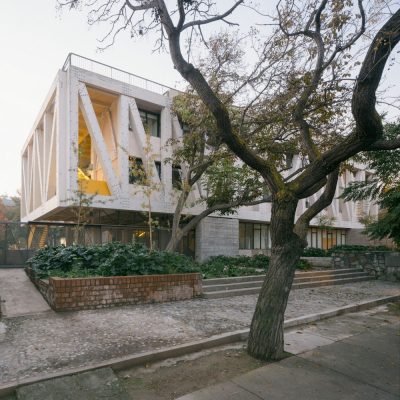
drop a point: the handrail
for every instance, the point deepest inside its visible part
(114, 73)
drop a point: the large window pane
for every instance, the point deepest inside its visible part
(151, 122)
(242, 235)
(158, 168)
(176, 177)
(249, 236)
(257, 236)
(264, 237)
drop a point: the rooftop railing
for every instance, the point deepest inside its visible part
(97, 67)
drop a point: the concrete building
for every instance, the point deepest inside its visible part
(88, 138)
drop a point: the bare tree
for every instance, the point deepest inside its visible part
(309, 46)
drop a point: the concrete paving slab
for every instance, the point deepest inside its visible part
(364, 366)
(94, 385)
(371, 366)
(352, 324)
(384, 344)
(19, 294)
(297, 342)
(299, 379)
(224, 391)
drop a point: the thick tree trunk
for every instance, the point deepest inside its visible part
(176, 232)
(266, 333)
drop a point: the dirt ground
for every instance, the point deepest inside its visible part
(174, 378)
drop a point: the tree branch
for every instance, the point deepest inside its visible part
(368, 129)
(213, 19)
(324, 200)
(385, 145)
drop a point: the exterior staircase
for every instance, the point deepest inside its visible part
(237, 286)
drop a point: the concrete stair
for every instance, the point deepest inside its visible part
(238, 286)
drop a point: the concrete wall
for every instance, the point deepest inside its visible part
(217, 236)
(355, 236)
(254, 252)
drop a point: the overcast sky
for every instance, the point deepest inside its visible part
(34, 41)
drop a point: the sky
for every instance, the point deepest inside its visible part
(35, 40)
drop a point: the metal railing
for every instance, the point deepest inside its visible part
(20, 240)
(97, 67)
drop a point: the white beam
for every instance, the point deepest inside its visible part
(141, 138)
(97, 139)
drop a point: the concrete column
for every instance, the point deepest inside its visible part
(217, 236)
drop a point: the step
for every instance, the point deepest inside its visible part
(235, 279)
(252, 284)
(328, 271)
(326, 277)
(233, 286)
(260, 278)
(256, 290)
(330, 282)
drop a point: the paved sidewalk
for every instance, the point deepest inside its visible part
(19, 295)
(49, 342)
(337, 366)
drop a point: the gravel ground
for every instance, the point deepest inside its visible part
(48, 342)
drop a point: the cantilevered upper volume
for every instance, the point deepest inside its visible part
(89, 139)
(89, 135)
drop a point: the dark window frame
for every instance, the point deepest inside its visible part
(177, 182)
(146, 114)
(250, 236)
(158, 168)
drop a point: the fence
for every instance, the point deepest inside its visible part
(19, 241)
(88, 64)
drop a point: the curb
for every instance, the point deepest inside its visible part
(191, 347)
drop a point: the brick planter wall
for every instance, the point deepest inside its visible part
(69, 294)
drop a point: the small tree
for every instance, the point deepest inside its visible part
(224, 184)
(81, 209)
(143, 174)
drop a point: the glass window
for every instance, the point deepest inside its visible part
(242, 236)
(257, 236)
(249, 237)
(325, 238)
(289, 160)
(151, 122)
(158, 168)
(185, 128)
(176, 177)
(264, 237)
(253, 236)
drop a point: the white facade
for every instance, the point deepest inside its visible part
(88, 130)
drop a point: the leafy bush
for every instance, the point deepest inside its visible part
(223, 266)
(358, 248)
(303, 265)
(111, 259)
(314, 252)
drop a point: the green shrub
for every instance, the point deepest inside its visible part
(303, 265)
(314, 252)
(356, 248)
(111, 259)
(223, 266)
